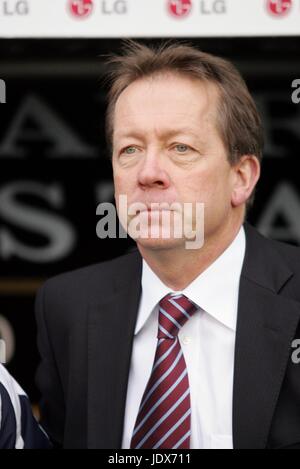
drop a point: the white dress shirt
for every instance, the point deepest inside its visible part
(208, 344)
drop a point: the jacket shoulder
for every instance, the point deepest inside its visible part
(78, 278)
(272, 264)
(290, 253)
(69, 293)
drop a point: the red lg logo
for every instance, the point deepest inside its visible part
(81, 8)
(279, 7)
(180, 8)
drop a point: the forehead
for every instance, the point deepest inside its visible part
(169, 102)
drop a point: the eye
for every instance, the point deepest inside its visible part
(128, 150)
(182, 148)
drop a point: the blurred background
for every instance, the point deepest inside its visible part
(54, 162)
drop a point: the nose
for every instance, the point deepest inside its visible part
(152, 173)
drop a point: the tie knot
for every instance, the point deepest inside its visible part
(174, 311)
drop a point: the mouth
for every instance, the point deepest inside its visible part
(151, 208)
(155, 206)
(155, 210)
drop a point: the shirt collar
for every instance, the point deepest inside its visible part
(215, 290)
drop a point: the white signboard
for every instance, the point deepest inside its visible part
(148, 18)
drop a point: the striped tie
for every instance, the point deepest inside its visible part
(164, 417)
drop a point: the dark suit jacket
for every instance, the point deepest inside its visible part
(86, 321)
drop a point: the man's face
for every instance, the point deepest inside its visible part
(166, 148)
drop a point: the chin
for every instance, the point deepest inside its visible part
(159, 243)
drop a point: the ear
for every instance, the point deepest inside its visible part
(246, 173)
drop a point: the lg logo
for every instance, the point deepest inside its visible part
(81, 8)
(279, 7)
(180, 8)
(14, 7)
(84, 8)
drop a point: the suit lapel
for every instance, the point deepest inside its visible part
(111, 330)
(267, 324)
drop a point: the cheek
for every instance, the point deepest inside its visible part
(200, 187)
(209, 187)
(121, 184)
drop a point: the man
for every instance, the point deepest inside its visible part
(168, 347)
(18, 428)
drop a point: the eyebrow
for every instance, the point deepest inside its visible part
(167, 133)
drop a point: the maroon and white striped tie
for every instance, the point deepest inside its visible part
(164, 417)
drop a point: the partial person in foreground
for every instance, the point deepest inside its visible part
(18, 427)
(168, 347)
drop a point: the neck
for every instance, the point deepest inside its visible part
(177, 267)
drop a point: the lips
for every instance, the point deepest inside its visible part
(155, 206)
(155, 210)
(139, 207)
